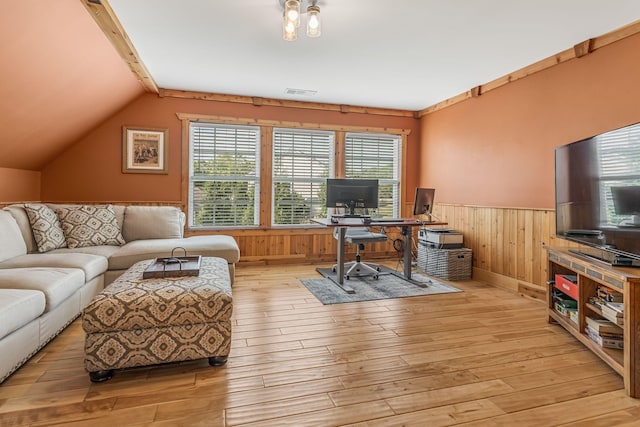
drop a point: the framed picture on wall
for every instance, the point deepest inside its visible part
(144, 150)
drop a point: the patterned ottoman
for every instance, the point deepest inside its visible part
(139, 322)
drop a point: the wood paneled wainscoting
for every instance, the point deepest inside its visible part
(300, 245)
(508, 244)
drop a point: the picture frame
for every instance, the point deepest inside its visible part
(144, 150)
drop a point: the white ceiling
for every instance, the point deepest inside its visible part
(404, 54)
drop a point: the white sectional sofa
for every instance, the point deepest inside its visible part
(49, 272)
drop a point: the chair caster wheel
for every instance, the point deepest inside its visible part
(378, 269)
(346, 277)
(333, 269)
(375, 277)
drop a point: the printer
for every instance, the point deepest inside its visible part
(440, 238)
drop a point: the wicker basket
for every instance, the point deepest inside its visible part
(448, 264)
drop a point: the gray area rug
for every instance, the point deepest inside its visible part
(369, 289)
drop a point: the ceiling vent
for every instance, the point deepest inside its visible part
(300, 92)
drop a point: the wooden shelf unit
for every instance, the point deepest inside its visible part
(590, 274)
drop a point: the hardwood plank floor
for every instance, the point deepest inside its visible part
(480, 357)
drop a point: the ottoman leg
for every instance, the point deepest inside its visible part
(100, 376)
(217, 360)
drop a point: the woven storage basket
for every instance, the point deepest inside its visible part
(449, 264)
(421, 264)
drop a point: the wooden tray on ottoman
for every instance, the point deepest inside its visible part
(174, 266)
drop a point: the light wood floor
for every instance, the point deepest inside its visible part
(481, 357)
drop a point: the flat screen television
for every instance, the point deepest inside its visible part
(423, 202)
(597, 184)
(352, 194)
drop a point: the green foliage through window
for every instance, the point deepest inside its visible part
(224, 180)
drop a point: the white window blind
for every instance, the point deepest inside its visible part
(302, 162)
(224, 175)
(376, 156)
(619, 153)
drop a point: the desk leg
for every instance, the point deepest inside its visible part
(407, 252)
(339, 279)
(342, 231)
(406, 232)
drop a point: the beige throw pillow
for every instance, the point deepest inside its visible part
(46, 227)
(152, 222)
(89, 225)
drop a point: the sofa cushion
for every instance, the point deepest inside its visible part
(45, 226)
(152, 222)
(91, 265)
(57, 284)
(221, 246)
(21, 217)
(12, 244)
(104, 250)
(118, 209)
(90, 226)
(19, 307)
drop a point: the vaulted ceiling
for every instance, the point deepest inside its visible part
(61, 76)
(401, 54)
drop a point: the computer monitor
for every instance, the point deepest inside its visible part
(423, 202)
(352, 193)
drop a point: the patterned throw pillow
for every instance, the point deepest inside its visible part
(46, 227)
(90, 226)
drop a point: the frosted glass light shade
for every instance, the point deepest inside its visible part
(292, 11)
(289, 30)
(313, 21)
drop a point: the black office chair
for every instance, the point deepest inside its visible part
(360, 236)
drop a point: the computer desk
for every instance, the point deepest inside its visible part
(405, 224)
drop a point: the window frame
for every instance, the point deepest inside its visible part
(266, 127)
(256, 179)
(311, 180)
(395, 181)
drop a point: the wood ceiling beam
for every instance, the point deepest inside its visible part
(108, 22)
(256, 101)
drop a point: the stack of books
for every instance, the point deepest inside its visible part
(613, 311)
(604, 332)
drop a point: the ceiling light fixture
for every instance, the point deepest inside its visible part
(291, 18)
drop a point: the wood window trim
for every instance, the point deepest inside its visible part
(266, 130)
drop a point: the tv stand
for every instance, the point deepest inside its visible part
(610, 258)
(590, 275)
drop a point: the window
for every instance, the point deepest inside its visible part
(302, 162)
(376, 156)
(224, 175)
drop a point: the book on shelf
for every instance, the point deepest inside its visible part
(604, 341)
(608, 295)
(612, 315)
(617, 306)
(601, 326)
(596, 301)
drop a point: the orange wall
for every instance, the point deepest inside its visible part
(91, 169)
(60, 78)
(498, 149)
(18, 185)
